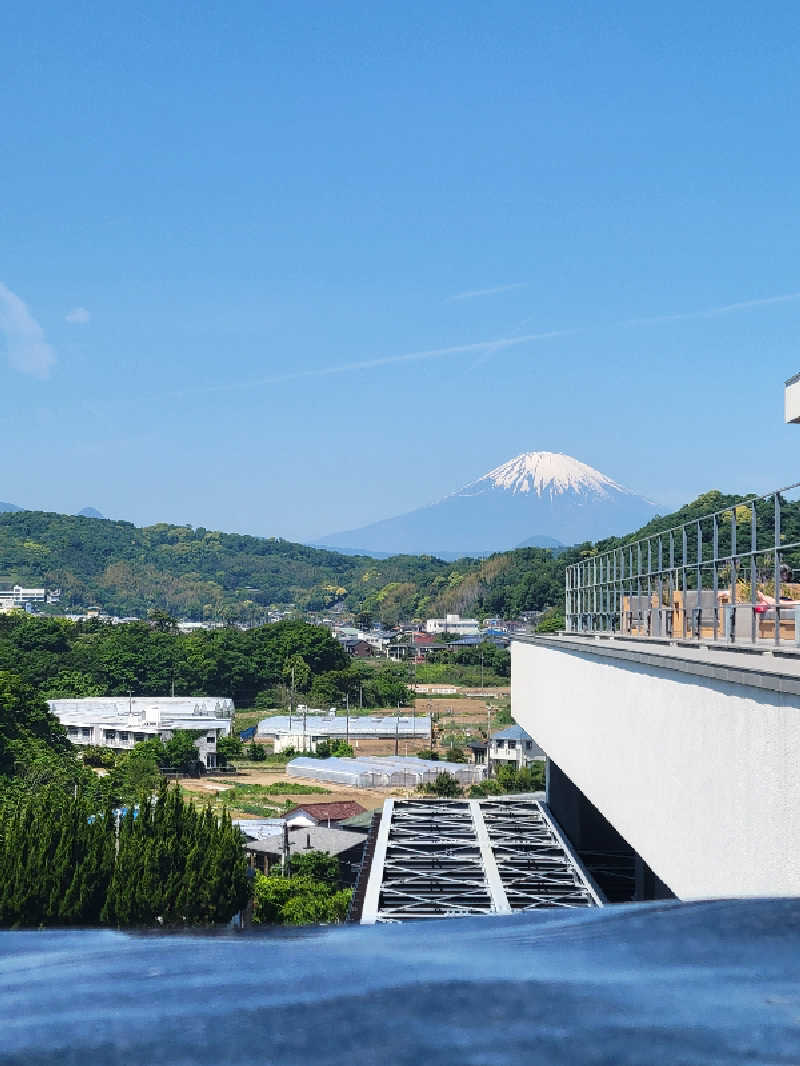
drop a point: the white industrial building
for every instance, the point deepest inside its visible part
(304, 732)
(393, 771)
(120, 722)
(454, 623)
(21, 598)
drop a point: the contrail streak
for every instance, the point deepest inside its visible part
(711, 312)
(483, 349)
(368, 364)
(472, 293)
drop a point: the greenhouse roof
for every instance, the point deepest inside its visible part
(358, 725)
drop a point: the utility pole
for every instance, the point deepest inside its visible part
(305, 708)
(488, 739)
(291, 703)
(286, 860)
(347, 717)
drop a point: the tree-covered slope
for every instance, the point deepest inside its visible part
(195, 572)
(198, 573)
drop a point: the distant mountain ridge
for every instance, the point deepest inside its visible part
(86, 512)
(543, 499)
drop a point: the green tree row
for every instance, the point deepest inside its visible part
(61, 863)
(65, 659)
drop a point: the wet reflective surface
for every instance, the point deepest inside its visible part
(675, 983)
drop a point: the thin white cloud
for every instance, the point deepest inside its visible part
(472, 293)
(26, 346)
(78, 316)
(482, 350)
(495, 345)
(711, 312)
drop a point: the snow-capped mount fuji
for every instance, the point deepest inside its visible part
(537, 498)
(549, 473)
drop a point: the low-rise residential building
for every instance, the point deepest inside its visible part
(358, 648)
(120, 722)
(454, 623)
(269, 851)
(326, 814)
(511, 746)
(376, 639)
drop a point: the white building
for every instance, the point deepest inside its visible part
(20, 598)
(290, 731)
(454, 623)
(512, 746)
(389, 771)
(120, 722)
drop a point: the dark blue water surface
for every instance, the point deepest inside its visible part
(691, 983)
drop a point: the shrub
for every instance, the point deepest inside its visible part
(338, 748)
(444, 785)
(103, 757)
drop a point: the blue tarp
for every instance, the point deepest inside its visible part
(654, 984)
(248, 734)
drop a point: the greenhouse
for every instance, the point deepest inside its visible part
(395, 771)
(340, 725)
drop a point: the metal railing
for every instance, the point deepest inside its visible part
(724, 576)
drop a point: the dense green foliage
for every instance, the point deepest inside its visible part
(64, 659)
(58, 863)
(197, 572)
(444, 785)
(35, 752)
(508, 779)
(339, 749)
(311, 895)
(28, 731)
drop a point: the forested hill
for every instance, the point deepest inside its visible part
(190, 572)
(199, 573)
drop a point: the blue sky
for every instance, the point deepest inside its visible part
(289, 268)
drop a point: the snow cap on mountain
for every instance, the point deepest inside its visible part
(551, 473)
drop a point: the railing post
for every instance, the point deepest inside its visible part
(777, 568)
(753, 574)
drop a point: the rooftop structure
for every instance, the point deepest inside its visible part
(265, 853)
(259, 828)
(717, 577)
(454, 623)
(303, 734)
(323, 813)
(120, 722)
(449, 858)
(390, 772)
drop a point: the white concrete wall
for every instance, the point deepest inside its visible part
(791, 402)
(701, 777)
